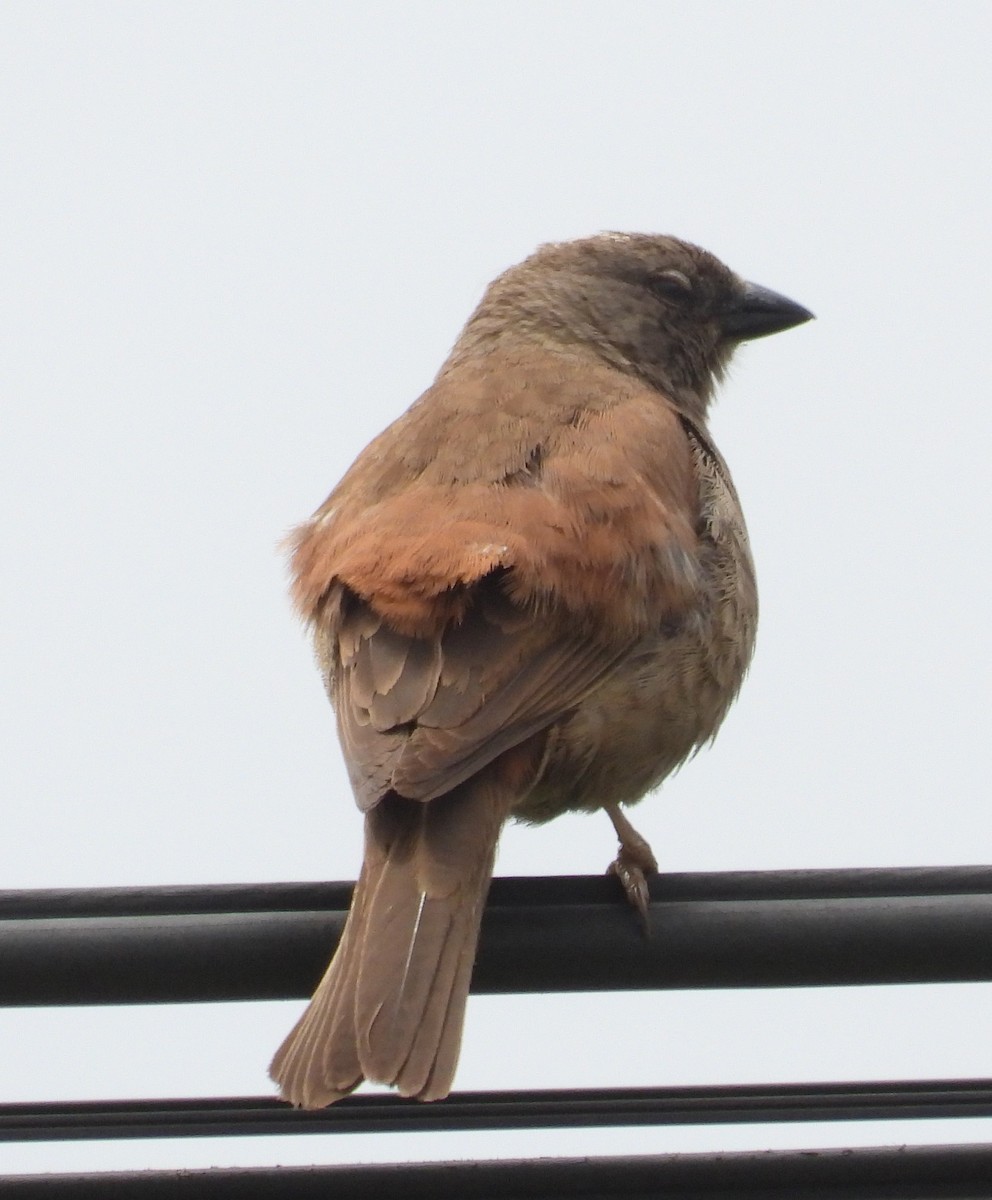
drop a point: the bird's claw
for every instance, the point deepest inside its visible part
(630, 867)
(631, 863)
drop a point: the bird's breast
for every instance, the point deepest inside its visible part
(728, 622)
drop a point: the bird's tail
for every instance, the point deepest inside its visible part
(391, 1005)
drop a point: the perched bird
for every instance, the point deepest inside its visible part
(531, 594)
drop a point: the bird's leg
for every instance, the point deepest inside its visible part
(635, 858)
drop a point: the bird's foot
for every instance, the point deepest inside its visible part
(633, 863)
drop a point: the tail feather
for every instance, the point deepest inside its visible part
(392, 1004)
(441, 1072)
(441, 1021)
(316, 1065)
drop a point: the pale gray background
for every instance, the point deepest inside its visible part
(238, 239)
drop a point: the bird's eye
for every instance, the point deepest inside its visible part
(672, 285)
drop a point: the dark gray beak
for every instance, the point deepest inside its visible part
(761, 311)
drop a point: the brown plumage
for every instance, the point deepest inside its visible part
(532, 593)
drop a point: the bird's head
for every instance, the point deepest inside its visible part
(652, 305)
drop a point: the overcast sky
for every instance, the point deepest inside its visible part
(239, 239)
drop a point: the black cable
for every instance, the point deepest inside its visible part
(877, 1173)
(769, 929)
(551, 1109)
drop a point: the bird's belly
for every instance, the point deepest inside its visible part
(648, 716)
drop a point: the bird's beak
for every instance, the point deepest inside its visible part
(760, 311)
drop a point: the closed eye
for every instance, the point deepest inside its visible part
(671, 285)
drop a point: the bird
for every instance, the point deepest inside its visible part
(533, 593)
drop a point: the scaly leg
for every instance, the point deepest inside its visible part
(635, 858)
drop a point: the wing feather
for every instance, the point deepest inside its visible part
(462, 603)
